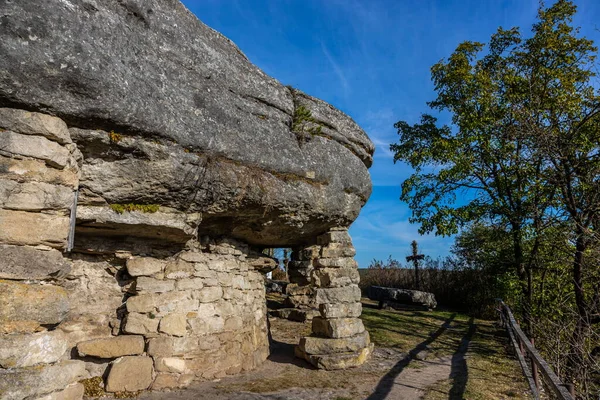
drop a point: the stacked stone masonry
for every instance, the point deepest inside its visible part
(339, 339)
(140, 318)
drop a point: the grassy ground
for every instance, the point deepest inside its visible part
(482, 366)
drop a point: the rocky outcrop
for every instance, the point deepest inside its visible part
(167, 111)
(144, 165)
(393, 296)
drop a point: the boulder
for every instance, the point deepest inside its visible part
(113, 347)
(130, 374)
(30, 263)
(18, 351)
(402, 296)
(45, 304)
(21, 383)
(179, 117)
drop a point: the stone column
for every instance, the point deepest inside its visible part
(38, 178)
(339, 339)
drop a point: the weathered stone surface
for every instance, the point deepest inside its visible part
(337, 327)
(144, 266)
(17, 351)
(337, 360)
(113, 347)
(339, 262)
(34, 196)
(37, 147)
(27, 228)
(145, 284)
(319, 345)
(173, 324)
(341, 310)
(335, 236)
(273, 187)
(31, 123)
(10, 327)
(209, 294)
(335, 277)
(37, 171)
(190, 284)
(170, 364)
(140, 324)
(166, 224)
(161, 346)
(131, 373)
(46, 304)
(30, 263)
(347, 294)
(21, 383)
(402, 296)
(179, 269)
(165, 381)
(334, 250)
(72, 392)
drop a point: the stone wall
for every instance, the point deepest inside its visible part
(38, 178)
(132, 304)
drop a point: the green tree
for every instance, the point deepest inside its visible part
(523, 149)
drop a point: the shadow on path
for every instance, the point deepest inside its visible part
(384, 387)
(459, 371)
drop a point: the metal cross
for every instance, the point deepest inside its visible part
(415, 260)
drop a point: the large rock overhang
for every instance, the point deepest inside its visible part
(168, 111)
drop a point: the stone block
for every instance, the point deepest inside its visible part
(347, 294)
(335, 277)
(146, 284)
(339, 262)
(112, 347)
(37, 171)
(140, 324)
(190, 284)
(340, 236)
(203, 326)
(33, 123)
(18, 351)
(21, 383)
(161, 346)
(130, 374)
(72, 392)
(341, 310)
(144, 266)
(179, 269)
(34, 196)
(10, 327)
(45, 304)
(192, 256)
(170, 364)
(37, 147)
(30, 263)
(27, 228)
(209, 294)
(173, 324)
(335, 250)
(142, 303)
(337, 327)
(337, 360)
(319, 345)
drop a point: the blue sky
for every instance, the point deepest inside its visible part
(371, 59)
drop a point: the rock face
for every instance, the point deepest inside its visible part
(195, 125)
(393, 296)
(145, 163)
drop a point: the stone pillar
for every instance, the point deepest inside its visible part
(339, 339)
(38, 178)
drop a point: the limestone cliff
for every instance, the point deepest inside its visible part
(168, 111)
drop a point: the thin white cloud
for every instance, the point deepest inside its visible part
(336, 67)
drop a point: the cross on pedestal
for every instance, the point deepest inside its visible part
(415, 260)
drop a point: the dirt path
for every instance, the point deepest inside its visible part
(438, 355)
